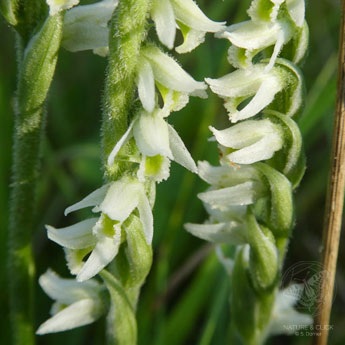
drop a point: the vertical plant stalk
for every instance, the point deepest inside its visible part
(128, 29)
(335, 198)
(36, 69)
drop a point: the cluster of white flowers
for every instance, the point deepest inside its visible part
(92, 244)
(250, 198)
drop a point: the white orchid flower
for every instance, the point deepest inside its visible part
(56, 6)
(158, 143)
(250, 141)
(230, 186)
(230, 232)
(102, 236)
(256, 82)
(187, 16)
(260, 10)
(284, 316)
(158, 68)
(86, 27)
(256, 36)
(76, 304)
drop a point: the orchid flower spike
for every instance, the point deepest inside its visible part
(186, 16)
(76, 304)
(103, 236)
(56, 6)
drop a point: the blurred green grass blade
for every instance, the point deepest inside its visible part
(183, 318)
(219, 300)
(319, 102)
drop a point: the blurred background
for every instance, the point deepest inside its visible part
(185, 298)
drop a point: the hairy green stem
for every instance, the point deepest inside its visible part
(37, 66)
(128, 29)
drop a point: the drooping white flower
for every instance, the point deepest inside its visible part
(284, 317)
(86, 27)
(187, 16)
(56, 6)
(250, 141)
(230, 186)
(76, 303)
(260, 86)
(158, 142)
(257, 36)
(101, 237)
(158, 68)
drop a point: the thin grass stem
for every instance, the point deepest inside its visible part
(335, 200)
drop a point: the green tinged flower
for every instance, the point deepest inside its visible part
(76, 304)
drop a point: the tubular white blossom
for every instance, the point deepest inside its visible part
(85, 27)
(187, 16)
(77, 304)
(252, 140)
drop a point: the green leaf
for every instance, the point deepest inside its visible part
(122, 327)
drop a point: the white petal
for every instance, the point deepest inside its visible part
(259, 151)
(163, 16)
(192, 39)
(146, 85)
(230, 233)
(296, 10)
(67, 291)
(146, 217)
(75, 257)
(180, 152)
(93, 199)
(284, 315)
(154, 168)
(151, 135)
(283, 36)
(243, 194)
(259, 11)
(256, 140)
(85, 27)
(103, 253)
(263, 97)
(170, 74)
(121, 199)
(120, 143)
(77, 314)
(173, 101)
(55, 6)
(252, 35)
(225, 175)
(76, 236)
(227, 263)
(242, 82)
(188, 12)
